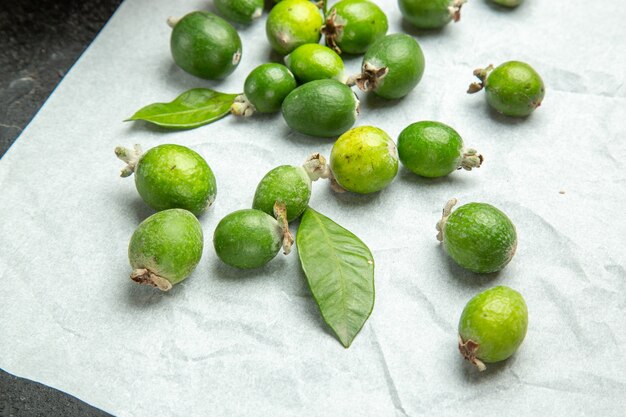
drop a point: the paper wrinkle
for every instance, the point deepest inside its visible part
(226, 342)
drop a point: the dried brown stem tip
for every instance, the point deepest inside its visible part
(455, 9)
(370, 77)
(471, 159)
(131, 157)
(447, 210)
(468, 349)
(144, 276)
(316, 167)
(331, 31)
(481, 74)
(280, 212)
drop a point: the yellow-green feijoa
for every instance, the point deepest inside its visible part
(434, 149)
(364, 160)
(322, 108)
(205, 45)
(492, 326)
(508, 3)
(477, 236)
(240, 11)
(392, 66)
(165, 248)
(265, 89)
(170, 176)
(353, 26)
(431, 14)
(313, 61)
(513, 88)
(249, 238)
(290, 185)
(292, 23)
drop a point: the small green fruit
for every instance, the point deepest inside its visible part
(322, 108)
(292, 23)
(165, 248)
(265, 90)
(392, 67)
(478, 236)
(508, 3)
(170, 176)
(492, 326)
(431, 14)
(513, 88)
(248, 239)
(364, 160)
(312, 62)
(433, 149)
(205, 45)
(290, 185)
(354, 25)
(240, 11)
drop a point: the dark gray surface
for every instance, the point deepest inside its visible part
(39, 42)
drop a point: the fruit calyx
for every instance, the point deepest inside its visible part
(331, 30)
(369, 78)
(280, 213)
(447, 210)
(131, 157)
(316, 167)
(455, 9)
(172, 21)
(144, 276)
(470, 159)
(481, 74)
(242, 106)
(468, 349)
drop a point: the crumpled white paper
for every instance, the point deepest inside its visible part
(232, 343)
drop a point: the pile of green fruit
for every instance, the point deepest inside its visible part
(316, 98)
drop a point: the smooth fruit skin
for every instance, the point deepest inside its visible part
(322, 108)
(497, 320)
(430, 149)
(240, 11)
(174, 176)
(205, 45)
(247, 239)
(404, 58)
(292, 23)
(362, 23)
(364, 160)
(508, 3)
(168, 243)
(426, 14)
(312, 62)
(514, 89)
(268, 85)
(287, 184)
(479, 237)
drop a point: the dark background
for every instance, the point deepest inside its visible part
(39, 41)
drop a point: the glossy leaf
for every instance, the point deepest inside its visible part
(340, 270)
(193, 108)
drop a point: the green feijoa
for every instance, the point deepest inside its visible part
(508, 3)
(205, 45)
(353, 26)
(249, 238)
(433, 149)
(364, 160)
(513, 88)
(290, 185)
(292, 23)
(240, 11)
(265, 90)
(492, 326)
(431, 14)
(477, 236)
(312, 62)
(170, 176)
(165, 248)
(392, 67)
(322, 108)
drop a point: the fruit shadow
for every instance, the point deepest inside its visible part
(371, 101)
(349, 199)
(141, 297)
(499, 118)
(226, 273)
(292, 136)
(421, 33)
(406, 176)
(471, 375)
(468, 280)
(500, 8)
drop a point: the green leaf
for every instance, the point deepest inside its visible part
(340, 270)
(193, 108)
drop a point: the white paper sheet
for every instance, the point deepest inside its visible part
(231, 343)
